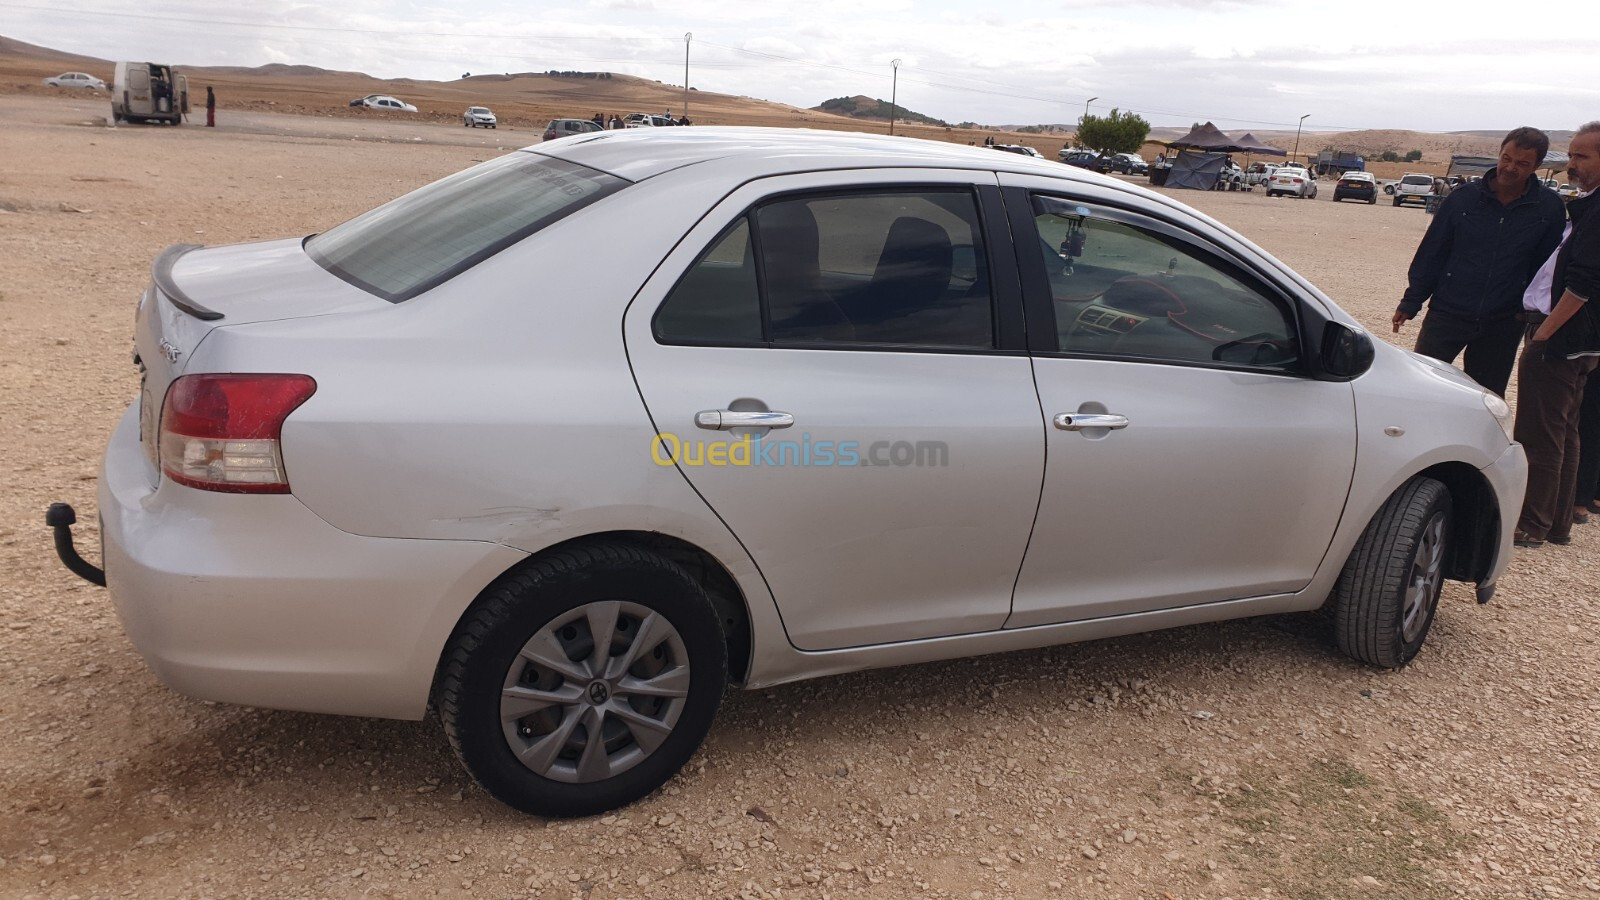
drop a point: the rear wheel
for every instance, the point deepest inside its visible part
(583, 681)
(1387, 595)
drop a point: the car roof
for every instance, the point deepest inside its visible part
(637, 154)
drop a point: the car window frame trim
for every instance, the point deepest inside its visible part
(1007, 315)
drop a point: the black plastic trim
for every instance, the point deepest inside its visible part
(161, 273)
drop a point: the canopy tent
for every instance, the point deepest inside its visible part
(1252, 144)
(1478, 166)
(1200, 158)
(1196, 169)
(1206, 137)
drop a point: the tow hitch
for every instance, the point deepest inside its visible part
(61, 517)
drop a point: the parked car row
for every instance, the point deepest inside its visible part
(1126, 163)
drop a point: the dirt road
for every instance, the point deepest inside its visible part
(1233, 760)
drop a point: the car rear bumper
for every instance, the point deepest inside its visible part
(253, 599)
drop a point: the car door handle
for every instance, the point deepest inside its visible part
(725, 419)
(1081, 421)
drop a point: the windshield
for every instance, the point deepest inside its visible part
(425, 238)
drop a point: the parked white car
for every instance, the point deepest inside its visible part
(1413, 186)
(788, 426)
(644, 120)
(76, 80)
(1292, 181)
(479, 117)
(389, 103)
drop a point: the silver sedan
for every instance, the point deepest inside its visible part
(810, 403)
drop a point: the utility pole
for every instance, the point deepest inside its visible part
(894, 90)
(687, 37)
(1297, 136)
(1086, 103)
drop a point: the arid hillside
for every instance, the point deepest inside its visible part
(527, 100)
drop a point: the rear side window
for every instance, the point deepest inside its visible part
(419, 241)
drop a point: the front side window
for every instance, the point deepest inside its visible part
(1131, 291)
(430, 235)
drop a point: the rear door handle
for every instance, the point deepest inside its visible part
(1082, 421)
(726, 419)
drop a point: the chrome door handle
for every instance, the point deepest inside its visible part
(1082, 421)
(725, 419)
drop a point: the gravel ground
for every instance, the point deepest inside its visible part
(1245, 759)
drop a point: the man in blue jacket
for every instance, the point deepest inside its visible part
(1485, 243)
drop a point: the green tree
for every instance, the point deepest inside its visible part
(1390, 156)
(1413, 155)
(1117, 132)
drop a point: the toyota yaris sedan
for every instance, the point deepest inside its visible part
(821, 402)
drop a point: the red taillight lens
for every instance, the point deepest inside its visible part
(221, 432)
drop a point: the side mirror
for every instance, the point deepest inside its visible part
(1346, 353)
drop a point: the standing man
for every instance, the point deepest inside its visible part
(1482, 248)
(1563, 330)
(211, 108)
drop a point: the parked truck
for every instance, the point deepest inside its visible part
(1338, 162)
(148, 92)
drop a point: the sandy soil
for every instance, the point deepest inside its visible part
(1232, 760)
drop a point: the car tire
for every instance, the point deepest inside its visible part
(654, 713)
(1373, 201)
(1388, 592)
(1397, 201)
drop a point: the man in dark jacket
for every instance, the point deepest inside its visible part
(1563, 330)
(1481, 250)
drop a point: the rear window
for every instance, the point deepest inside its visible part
(419, 241)
(1416, 179)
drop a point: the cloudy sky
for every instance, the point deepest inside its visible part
(1244, 64)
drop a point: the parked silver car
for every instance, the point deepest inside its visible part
(76, 80)
(479, 117)
(821, 402)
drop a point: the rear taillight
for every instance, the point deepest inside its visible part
(221, 432)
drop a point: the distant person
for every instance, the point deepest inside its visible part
(599, 120)
(211, 107)
(616, 121)
(684, 121)
(1563, 348)
(1479, 254)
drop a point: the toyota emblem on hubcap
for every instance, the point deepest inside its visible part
(598, 693)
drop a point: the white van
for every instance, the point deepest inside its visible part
(148, 92)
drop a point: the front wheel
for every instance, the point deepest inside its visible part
(1388, 592)
(583, 681)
